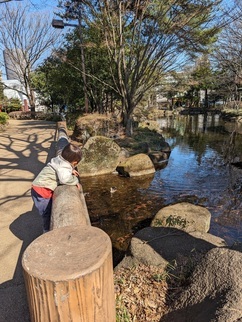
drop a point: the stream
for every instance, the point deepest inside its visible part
(198, 171)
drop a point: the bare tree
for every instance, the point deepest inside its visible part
(228, 55)
(25, 37)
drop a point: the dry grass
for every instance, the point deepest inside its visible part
(145, 293)
(140, 293)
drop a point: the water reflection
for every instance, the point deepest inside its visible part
(198, 171)
(118, 213)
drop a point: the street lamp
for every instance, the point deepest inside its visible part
(60, 24)
(4, 1)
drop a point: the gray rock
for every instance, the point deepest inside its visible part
(215, 290)
(146, 254)
(215, 240)
(100, 156)
(161, 245)
(185, 216)
(136, 165)
(93, 125)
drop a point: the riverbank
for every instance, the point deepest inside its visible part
(128, 307)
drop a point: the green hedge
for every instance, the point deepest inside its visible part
(3, 118)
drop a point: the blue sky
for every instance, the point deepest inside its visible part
(50, 7)
(46, 6)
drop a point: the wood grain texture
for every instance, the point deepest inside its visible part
(68, 208)
(62, 137)
(73, 281)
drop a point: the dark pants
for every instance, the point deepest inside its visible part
(44, 207)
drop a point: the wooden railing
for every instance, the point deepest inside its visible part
(69, 271)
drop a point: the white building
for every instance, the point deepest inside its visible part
(13, 84)
(14, 62)
(14, 89)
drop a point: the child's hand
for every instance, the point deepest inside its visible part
(75, 173)
(78, 186)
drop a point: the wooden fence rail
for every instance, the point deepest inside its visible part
(69, 271)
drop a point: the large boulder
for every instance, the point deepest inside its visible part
(161, 245)
(215, 290)
(100, 156)
(185, 216)
(94, 125)
(151, 125)
(136, 165)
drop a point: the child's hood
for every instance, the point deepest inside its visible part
(59, 162)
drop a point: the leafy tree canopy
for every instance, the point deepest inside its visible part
(143, 39)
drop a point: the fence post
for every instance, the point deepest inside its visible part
(62, 137)
(69, 276)
(68, 207)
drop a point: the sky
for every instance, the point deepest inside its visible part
(44, 6)
(50, 7)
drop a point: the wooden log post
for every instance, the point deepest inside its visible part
(68, 208)
(69, 276)
(69, 205)
(62, 137)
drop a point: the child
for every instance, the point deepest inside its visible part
(60, 170)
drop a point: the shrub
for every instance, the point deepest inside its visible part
(3, 118)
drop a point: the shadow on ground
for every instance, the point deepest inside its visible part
(14, 307)
(24, 148)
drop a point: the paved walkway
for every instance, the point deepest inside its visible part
(25, 147)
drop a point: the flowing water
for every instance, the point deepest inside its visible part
(198, 171)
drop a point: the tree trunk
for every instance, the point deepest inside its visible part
(206, 105)
(128, 124)
(129, 127)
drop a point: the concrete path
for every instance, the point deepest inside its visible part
(25, 147)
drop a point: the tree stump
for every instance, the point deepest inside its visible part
(69, 276)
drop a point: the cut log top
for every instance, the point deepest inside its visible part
(67, 253)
